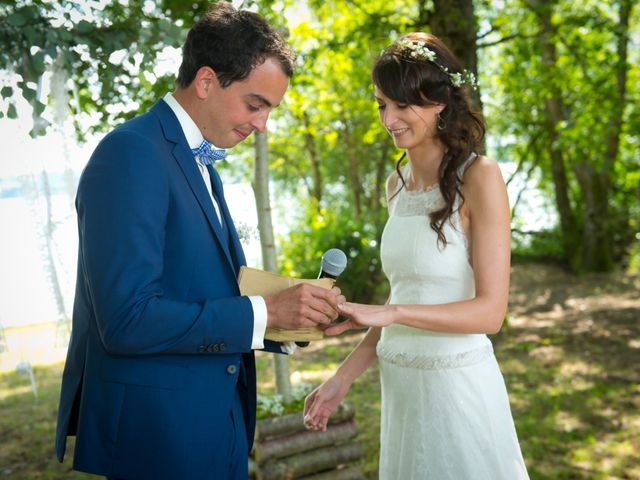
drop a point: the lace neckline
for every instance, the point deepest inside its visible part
(428, 189)
(416, 202)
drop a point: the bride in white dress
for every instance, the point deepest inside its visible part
(446, 252)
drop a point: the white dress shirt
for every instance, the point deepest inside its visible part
(194, 138)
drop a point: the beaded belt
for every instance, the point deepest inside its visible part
(439, 362)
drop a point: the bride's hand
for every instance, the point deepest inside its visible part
(322, 402)
(362, 316)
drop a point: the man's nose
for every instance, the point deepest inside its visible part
(260, 122)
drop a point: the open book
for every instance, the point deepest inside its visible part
(254, 281)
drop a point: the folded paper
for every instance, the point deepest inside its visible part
(254, 281)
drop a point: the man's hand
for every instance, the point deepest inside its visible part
(302, 306)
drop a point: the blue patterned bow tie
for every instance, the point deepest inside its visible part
(207, 154)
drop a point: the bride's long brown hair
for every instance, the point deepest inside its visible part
(417, 81)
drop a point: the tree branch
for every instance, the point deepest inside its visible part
(505, 39)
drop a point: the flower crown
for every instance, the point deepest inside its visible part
(419, 51)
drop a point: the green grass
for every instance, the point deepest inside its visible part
(27, 427)
(569, 355)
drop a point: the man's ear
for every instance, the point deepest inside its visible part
(204, 81)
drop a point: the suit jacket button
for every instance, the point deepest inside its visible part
(222, 347)
(216, 347)
(232, 369)
(202, 349)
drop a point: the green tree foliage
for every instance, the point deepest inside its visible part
(335, 153)
(565, 106)
(110, 50)
(559, 85)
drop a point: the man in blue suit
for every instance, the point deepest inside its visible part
(159, 381)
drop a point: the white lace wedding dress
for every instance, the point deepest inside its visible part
(445, 411)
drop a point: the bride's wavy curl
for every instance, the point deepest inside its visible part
(419, 81)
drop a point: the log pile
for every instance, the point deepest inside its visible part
(285, 450)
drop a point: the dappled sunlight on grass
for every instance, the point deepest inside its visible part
(573, 367)
(18, 390)
(576, 400)
(547, 354)
(568, 422)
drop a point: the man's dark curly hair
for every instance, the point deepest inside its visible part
(232, 42)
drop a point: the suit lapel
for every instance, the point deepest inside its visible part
(236, 248)
(184, 157)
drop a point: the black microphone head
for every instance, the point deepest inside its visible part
(334, 261)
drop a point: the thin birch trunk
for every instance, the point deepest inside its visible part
(267, 243)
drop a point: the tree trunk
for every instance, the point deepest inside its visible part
(382, 168)
(622, 69)
(314, 158)
(355, 182)
(454, 22)
(597, 248)
(63, 324)
(267, 242)
(596, 245)
(31, 193)
(568, 226)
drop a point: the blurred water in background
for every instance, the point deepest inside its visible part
(26, 291)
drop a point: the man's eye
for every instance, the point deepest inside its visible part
(381, 107)
(253, 108)
(401, 106)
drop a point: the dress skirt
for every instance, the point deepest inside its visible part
(446, 417)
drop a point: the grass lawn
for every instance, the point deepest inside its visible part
(569, 354)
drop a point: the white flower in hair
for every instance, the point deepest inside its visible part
(419, 51)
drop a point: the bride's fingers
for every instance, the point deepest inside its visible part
(314, 409)
(309, 401)
(310, 422)
(309, 414)
(339, 328)
(323, 423)
(346, 309)
(314, 424)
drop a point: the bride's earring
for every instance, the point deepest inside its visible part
(440, 122)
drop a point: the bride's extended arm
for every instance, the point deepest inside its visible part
(489, 235)
(321, 403)
(361, 358)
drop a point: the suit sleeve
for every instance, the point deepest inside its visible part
(123, 202)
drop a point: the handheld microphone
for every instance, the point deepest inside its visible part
(334, 261)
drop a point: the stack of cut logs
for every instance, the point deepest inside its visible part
(285, 450)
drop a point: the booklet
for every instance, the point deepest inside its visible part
(254, 281)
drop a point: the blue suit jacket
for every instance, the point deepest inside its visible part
(161, 341)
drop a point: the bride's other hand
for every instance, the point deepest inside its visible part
(362, 316)
(322, 402)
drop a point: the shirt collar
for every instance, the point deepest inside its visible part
(191, 131)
